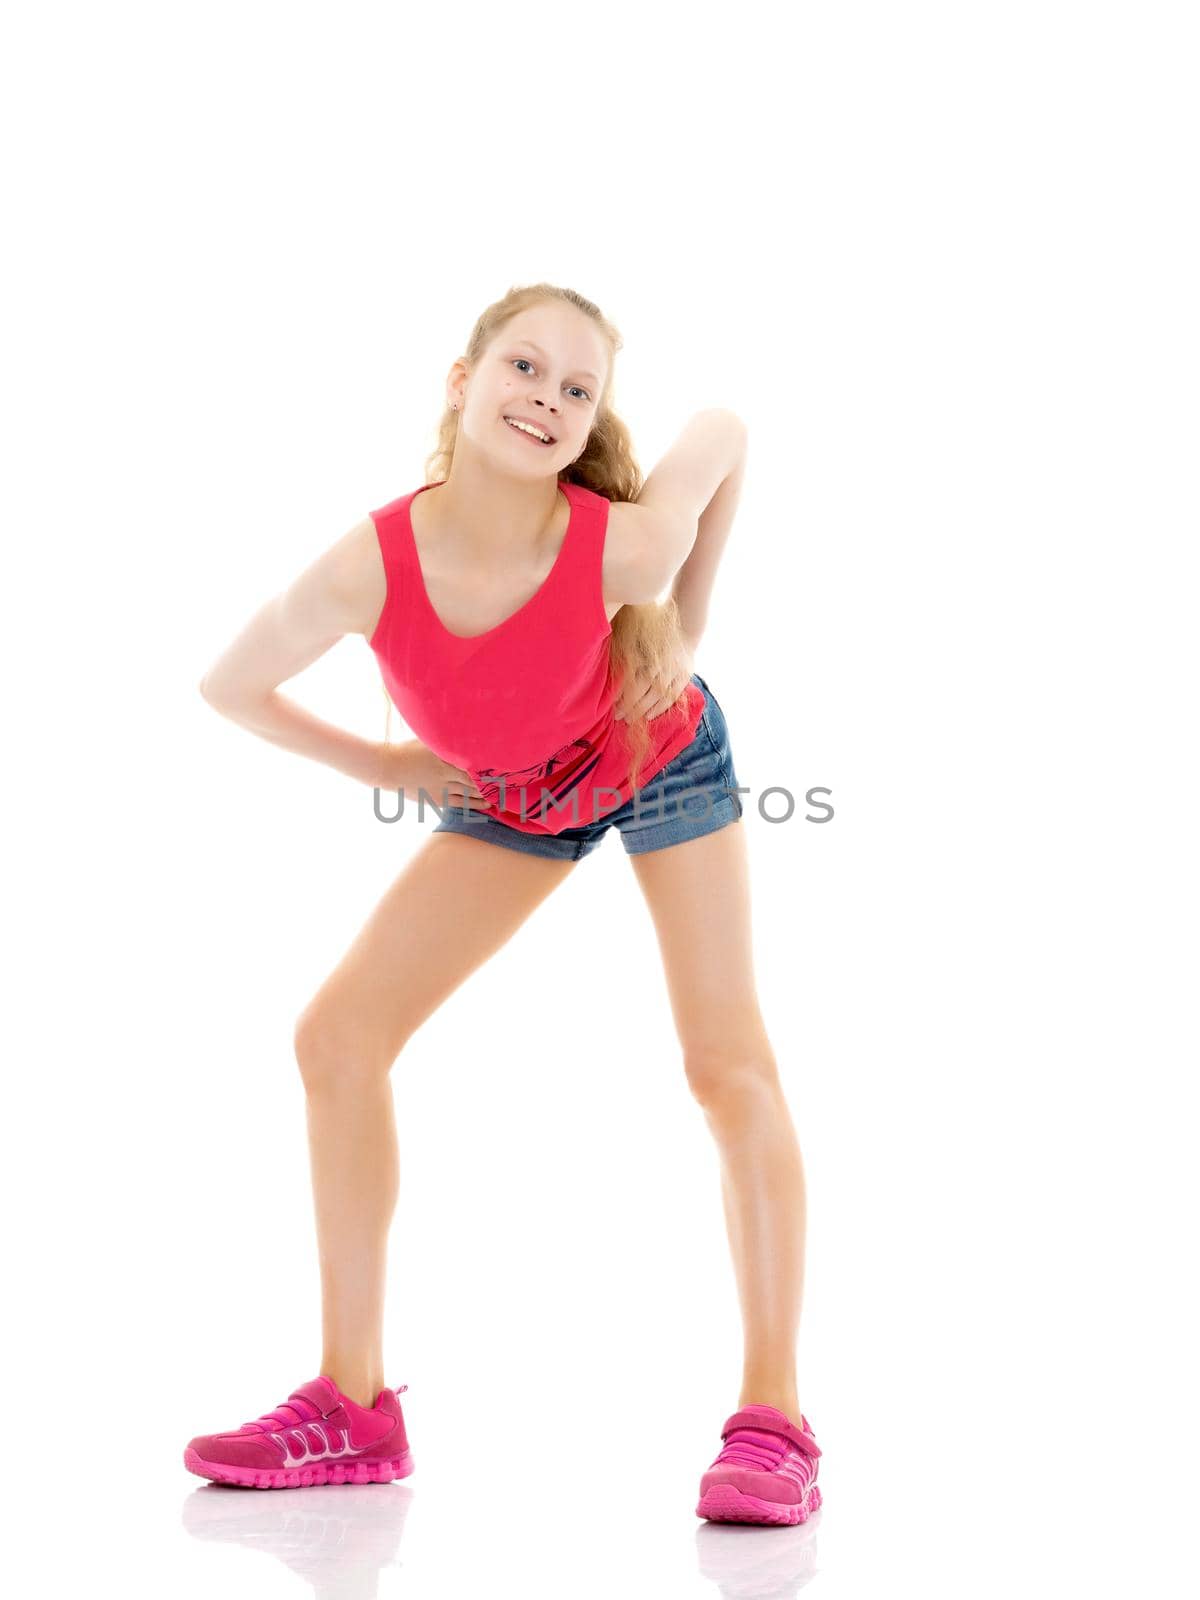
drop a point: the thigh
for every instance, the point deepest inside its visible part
(456, 902)
(698, 893)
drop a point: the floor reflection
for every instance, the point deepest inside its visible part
(340, 1537)
(747, 1562)
(337, 1536)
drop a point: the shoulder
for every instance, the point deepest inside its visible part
(634, 573)
(352, 579)
(388, 513)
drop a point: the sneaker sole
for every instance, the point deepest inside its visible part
(307, 1477)
(724, 1503)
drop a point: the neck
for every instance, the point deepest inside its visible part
(490, 512)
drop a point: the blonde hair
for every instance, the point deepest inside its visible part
(644, 637)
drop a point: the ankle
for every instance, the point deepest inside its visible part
(788, 1404)
(364, 1392)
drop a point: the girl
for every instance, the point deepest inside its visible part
(511, 604)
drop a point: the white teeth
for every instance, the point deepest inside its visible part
(525, 428)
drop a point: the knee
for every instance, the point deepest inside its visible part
(732, 1079)
(331, 1052)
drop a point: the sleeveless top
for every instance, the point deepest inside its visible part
(527, 707)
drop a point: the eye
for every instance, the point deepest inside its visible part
(519, 361)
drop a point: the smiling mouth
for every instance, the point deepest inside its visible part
(519, 428)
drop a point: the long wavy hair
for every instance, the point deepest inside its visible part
(644, 637)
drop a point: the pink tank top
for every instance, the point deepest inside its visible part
(527, 707)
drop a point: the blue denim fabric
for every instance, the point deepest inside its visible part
(686, 799)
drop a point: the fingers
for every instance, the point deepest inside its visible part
(653, 700)
(463, 782)
(637, 705)
(461, 789)
(641, 696)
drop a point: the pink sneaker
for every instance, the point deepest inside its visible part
(766, 1470)
(318, 1435)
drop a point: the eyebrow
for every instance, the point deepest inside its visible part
(542, 353)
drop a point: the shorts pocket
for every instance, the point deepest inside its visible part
(714, 721)
(717, 729)
(712, 738)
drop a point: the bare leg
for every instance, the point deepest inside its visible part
(699, 897)
(456, 902)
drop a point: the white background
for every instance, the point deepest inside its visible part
(942, 258)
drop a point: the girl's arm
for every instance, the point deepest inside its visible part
(683, 516)
(341, 592)
(693, 583)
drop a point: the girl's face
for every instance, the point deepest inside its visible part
(546, 367)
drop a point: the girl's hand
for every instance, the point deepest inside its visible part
(642, 694)
(411, 766)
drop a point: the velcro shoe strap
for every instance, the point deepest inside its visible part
(319, 1395)
(768, 1424)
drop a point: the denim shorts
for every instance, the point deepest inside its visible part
(690, 796)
